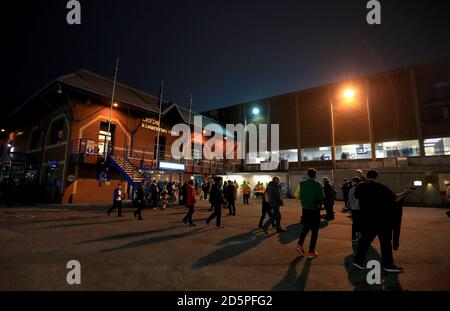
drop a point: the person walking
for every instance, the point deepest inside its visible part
(246, 190)
(275, 201)
(117, 201)
(231, 199)
(329, 192)
(216, 200)
(140, 198)
(355, 210)
(265, 209)
(346, 186)
(311, 196)
(190, 203)
(154, 190)
(205, 190)
(376, 202)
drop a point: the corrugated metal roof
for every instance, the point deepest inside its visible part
(91, 82)
(184, 112)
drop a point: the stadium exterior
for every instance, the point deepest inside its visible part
(397, 122)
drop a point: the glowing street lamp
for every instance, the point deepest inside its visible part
(255, 111)
(349, 93)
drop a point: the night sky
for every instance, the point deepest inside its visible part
(223, 52)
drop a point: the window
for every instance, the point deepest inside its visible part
(57, 132)
(256, 157)
(197, 153)
(290, 155)
(393, 149)
(437, 146)
(105, 137)
(316, 154)
(353, 152)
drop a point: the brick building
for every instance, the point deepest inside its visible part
(57, 139)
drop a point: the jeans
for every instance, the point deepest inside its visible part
(356, 226)
(188, 217)
(329, 209)
(368, 234)
(216, 214)
(246, 197)
(232, 207)
(275, 218)
(311, 222)
(265, 210)
(118, 205)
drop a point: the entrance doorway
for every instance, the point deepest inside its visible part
(105, 138)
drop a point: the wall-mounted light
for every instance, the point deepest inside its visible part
(116, 105)
(2, 130)
(349, 93)
(429, 179)
(255, 111)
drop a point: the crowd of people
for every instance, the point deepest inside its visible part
(374, 209)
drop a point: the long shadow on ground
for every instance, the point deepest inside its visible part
(290, 280)
(85, 224)
(124, 236)
(232, 247)
(157, 239)
(358, 278)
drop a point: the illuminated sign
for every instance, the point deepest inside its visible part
(171, 166)
(152, 124)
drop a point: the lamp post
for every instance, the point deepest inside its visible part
(349, 94)
(333, 141)
(106, 144)
(159, 123)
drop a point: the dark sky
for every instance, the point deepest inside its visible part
(224, 52)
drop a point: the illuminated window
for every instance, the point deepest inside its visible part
(105, 138)
(353, 152)
(394, 149)
(437, 146)
(316, 154)
(256, 157)
(290, 155)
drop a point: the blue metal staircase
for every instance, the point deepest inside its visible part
(127, 170)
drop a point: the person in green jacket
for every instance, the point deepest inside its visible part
(311, 197)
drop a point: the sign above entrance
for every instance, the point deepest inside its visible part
(152, 124)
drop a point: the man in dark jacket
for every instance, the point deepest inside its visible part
(231, 201)
(140, 198)
(377, 211)
(216, 200)
(117, 201)
(275, 201)
(265, 209)
(154, 194)
(329, 193)
(345, 190)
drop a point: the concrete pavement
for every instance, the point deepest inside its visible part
(161, 253)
